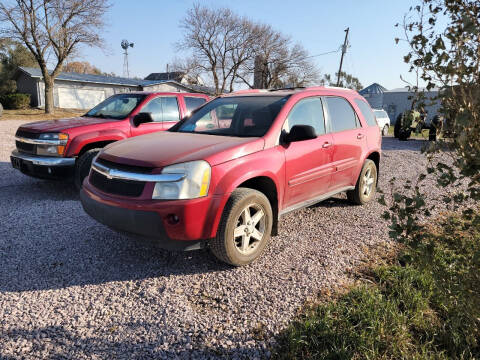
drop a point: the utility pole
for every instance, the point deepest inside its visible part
(344, 50)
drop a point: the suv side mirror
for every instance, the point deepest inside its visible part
(141, 118)
(300, 133)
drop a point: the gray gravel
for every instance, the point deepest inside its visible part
(71, 288)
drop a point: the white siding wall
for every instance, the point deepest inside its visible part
(396, 103)
(164, 88)
(77, 95)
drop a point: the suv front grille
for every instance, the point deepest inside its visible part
(123, 167)
(116, 186)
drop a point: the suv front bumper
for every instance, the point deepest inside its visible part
(44, 167)
(149, 220)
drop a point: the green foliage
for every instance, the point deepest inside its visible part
(15, 101)
(427, 306)
(12, 55)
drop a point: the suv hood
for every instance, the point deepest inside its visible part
(62, 124)
(166, 148)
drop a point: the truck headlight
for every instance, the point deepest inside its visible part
(194, 185)
(54, 144)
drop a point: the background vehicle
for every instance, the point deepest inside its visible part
(65, 148)
(223, 177)
(383, 120)
(1, 110)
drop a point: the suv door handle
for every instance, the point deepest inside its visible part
(360, 136)
(326, 145)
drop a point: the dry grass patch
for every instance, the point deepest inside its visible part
(39, 114)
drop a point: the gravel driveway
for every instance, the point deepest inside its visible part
(71, 288)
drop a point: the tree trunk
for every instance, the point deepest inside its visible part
(49, 105)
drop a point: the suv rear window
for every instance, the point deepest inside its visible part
(342, 115)
(366, 112)
(193, 102)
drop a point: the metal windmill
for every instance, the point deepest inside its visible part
(125, 45)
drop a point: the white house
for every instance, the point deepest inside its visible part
(84, 91)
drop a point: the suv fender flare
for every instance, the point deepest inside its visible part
(234, 185)
(374, 155)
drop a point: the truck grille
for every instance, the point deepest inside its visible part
(27, 134)
(26, 147)
(116, 186)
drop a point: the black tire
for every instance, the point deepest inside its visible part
(432, 133)
(404, 135)
(82, 167)
(385, 130)
(225, 246)
(397, 126)
(358, 195)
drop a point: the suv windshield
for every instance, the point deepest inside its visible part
(117, 106)
(243, 116)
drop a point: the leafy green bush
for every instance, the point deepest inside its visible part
(426, 306)
(15, 101)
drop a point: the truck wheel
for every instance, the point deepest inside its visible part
(82, 167)
(432, 133)
(244, 229)
(404, 135)
(366, 185)
(397, 127)
(385, 130)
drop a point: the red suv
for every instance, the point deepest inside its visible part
(62, 148)
(224, 176)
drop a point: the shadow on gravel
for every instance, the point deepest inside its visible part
(48, 242)
(332, 202)
(390, 143)
(14, 183)
(57, 342)
(56, 258)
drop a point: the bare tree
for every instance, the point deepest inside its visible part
(53, 27)
(220, 41)
(81, 67)
(347, 81)
(277, 62)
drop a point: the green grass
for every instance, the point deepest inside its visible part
(422, 135)
(426, 305)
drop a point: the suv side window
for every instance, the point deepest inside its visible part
(192, 103)
(366, 112)
(342, 116)
(154, 107)
(170, 109)
(307, 112)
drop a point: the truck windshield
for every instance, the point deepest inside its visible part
(242, 116)
(116, 107)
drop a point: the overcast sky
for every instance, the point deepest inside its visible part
(373, 56)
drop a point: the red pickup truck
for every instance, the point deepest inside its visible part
(65, 148)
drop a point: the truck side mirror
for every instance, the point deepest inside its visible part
(300, 133)
(141, 118)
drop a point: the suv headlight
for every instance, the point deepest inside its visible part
(194, 185)
(54, 146)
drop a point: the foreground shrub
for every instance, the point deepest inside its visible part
(426, 306)
(15, 101)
